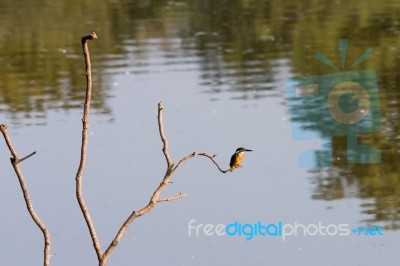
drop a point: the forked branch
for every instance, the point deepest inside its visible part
(15, 161)
(155, 198)
(156, 195)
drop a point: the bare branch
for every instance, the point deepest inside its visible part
(26, 157)
(156, 195)
(154, 199)
(103, 257)
(85, 127)
(162, 135)
(180, 195)
(135, 214)
(3, 128)
(28, 202)
(211, 157)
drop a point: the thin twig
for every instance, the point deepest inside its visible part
(3, 128)
(85, 127)
(14, 161)
(162, 135)
(26, 157)
(180, 195)
(211, 157)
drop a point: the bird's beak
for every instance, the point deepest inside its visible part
(248, 150)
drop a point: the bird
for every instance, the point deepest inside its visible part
(237, 158)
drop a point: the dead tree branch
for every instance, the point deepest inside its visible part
(180, 195)
(171, 169)
(184, 159)
(14, 161)
(156, 195)
(162, 135)
(26, 157)
(85, 127)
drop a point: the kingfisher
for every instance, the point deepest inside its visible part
(237, 158)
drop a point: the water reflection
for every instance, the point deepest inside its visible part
(237, 47)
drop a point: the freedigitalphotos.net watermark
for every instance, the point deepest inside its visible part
(280, 230)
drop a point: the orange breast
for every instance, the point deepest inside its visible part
(239, 160)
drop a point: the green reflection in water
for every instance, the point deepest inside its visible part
(238, 47)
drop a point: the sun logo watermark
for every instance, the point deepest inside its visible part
(339, 104)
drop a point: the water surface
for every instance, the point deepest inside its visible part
(220, 68)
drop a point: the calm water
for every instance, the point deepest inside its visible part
(220, 68)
